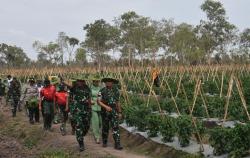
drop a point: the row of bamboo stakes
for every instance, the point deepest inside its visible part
(197, 74)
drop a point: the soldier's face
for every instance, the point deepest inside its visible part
(96, 83)
(80, 83)
(109, 84)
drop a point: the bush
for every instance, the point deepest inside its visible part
(184, 129)
(153, 124)
(167, 129)
(219, 139)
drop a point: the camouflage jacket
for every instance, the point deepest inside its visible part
(109, 96)
(15, 90)
(2, 89)
(80, 98)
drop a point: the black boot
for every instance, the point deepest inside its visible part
(13, 113)
(81, 145)
(104, 143)
(118, 146)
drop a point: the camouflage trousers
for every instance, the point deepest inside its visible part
(14, 105)
(82, 120)
(48, 114)
(110, 118)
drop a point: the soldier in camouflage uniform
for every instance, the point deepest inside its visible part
(2, 94)
(108, 99)
(71, 106)
(81, 110)
(15, 94)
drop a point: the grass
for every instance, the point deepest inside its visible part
(55, 153)
(28, 135)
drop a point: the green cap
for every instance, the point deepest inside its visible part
(95, 77)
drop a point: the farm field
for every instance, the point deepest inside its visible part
(204, 105)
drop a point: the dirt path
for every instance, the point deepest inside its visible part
(10, 147)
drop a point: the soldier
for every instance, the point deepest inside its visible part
(81, 110)
(2, 94)
(61, 101)
(71, 106)
(46, 104)
(15, 94)
(31, 100)
(8, 98)
(96, 121)
(108, 99)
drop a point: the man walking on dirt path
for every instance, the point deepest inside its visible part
(61, 101)
(2, 94)
(15, 94)
(31, 100)
(81, 110)
(71, 106)
(108, 99)
(46, 103)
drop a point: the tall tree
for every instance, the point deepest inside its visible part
(52, 51)
(13, 56)
(245, 42)
(164, 30)
(184, 44)
(216, 32)
(81, 56)
(72, 42)
(100, 38)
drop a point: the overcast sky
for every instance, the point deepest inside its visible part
(24, 21)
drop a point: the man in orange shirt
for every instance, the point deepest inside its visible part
(46, 103)
(61, 100)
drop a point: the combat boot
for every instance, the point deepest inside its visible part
(104, 143)
(118, 146)
(81, 145)
(13, 113)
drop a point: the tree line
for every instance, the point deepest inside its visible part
(138, 40)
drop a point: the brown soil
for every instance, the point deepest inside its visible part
(19, 139)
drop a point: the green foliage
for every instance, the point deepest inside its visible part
(55, 154)
(153, 124)
(168, 129)
(219, 139)
(239, 140)
(13, 56)
(184, 129)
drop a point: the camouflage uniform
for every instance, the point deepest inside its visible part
(81, 111)
(2, 93)
(71, 108)
(15, 94)
(110, 97)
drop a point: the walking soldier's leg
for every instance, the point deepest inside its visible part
(105, 128)
(116, 130)
(79, 131)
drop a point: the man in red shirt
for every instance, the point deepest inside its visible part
(61, 101)
(46, 103)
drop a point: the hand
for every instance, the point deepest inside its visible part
(40, 107)
(120, 116)
(108, 109)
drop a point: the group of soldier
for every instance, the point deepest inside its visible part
(95, 105)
